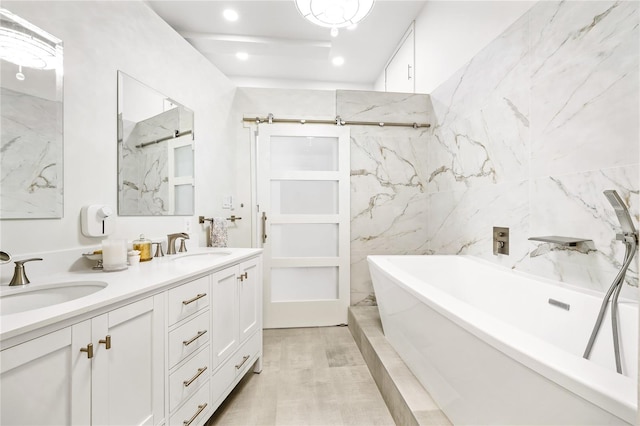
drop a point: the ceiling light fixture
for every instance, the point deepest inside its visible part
(230, 15)
(26, 45)
(334, 14)
(243, 56)
(338, 61)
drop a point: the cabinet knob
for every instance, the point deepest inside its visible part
(106, 341)
(243, 277)
(88, 350)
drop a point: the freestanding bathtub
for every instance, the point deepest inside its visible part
(496, 346)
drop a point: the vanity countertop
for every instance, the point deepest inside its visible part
(141, 280)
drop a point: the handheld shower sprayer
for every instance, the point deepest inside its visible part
(621, 211)
(629, 237)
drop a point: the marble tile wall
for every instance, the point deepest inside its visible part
(30, 157)
(388, 180)
(529, 133)
(143, 170)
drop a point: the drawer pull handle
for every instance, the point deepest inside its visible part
(106, 341)
(88, 350)
(200, 408)
(244, 359)
(191, 380)
(193, 339)
(199, 296)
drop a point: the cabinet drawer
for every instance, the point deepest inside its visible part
(235, 367)
(195, 411)
(188, 299)
(188, 378)
(188, 338)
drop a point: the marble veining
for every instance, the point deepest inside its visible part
(531, 131)
(388, 180)
(31, 157)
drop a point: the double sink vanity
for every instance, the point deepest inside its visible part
(161, 343)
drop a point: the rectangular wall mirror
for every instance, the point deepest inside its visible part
(155, 152)
(31, 159)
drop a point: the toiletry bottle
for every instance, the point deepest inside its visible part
(144, 247)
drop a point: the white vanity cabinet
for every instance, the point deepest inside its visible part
(168, 356)
(189, 352)
(237, 325)
(104, 370)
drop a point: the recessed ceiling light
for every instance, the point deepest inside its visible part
(230, 15)
(337, 61)
(243, 56)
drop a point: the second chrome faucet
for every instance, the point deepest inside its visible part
(171, 242)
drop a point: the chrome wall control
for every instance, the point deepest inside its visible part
(500, 240)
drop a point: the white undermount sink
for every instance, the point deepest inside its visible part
(208, 255)
(20, 299)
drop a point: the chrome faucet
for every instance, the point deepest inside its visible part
(171, 242)
(19, 274)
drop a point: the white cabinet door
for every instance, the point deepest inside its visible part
(47, 380)
(128, 379)
(250, 300)
(225, 314)
(400, 71)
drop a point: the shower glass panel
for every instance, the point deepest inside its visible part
(304, 284)
(304, 196)
(304, 153)
(305, 240)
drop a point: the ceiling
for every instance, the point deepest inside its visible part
(285, 50)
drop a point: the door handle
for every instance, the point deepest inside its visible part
(264, 227)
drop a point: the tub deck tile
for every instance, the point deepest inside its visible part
(408, 402)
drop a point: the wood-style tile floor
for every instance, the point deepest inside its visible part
(310, 376)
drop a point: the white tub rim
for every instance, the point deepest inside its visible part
(613, 392)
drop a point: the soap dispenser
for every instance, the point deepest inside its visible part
(144, 247)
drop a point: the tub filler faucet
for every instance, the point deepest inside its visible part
(629, 236)
(171, 242)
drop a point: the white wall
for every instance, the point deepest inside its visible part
(449, 33)
(99, 39)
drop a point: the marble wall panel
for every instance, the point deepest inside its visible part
(534, 150)
(31, 157)
(584, 86)
(388, 180)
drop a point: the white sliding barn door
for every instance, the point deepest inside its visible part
(303, 223)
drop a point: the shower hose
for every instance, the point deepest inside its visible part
(630, 250)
